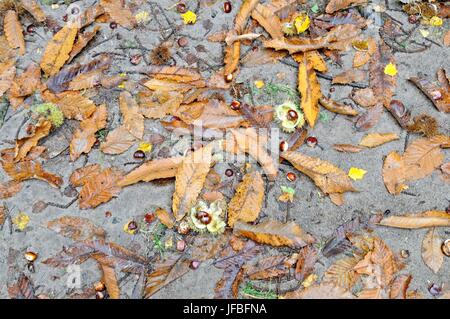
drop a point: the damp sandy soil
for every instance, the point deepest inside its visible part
(314, 212)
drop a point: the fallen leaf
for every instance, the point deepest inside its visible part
(306, 261)
(28, 82)
(29, 169)
(7, 74)
(33, 7)
(348, 148)
(119, 13)
(23, 288)
(84, 138)
(336, 5)
(82, 41)
(132, 119)
(110, 280)
(9, 189)
(244, 13)
(432, 218)
(189, 17)
(349, 76)
(382, 84)
(364, 97)
(117, 141)
(164, 217)
(274, 233)
(231, 57)
(446, 39)
(189, 180)
(76, 228)
(24, 145)
(267, 268)
(58, 49)
(431, 250)
(100, 188)
(342, 274)
(83, 174)
(400, 286)
(73, 104)
(377, 139)
(21, 221)
(337, 107)
(247, 202)
(261, 56)
(394, 173)
(370, 118)
(356, 173)
(269, 21)
(309, 88)
(329, 178)
(440, 96)
(13, 31)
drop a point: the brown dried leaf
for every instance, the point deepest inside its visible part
(399, 287)
(274, 233)
(7, 73)
(336, 107)
(28, 169)
(100, 188)
(24, 145)
(158, 104)
(189, 180)
(364, 97)
(58, 49)
(261, 56)
(270, 22)
(336, 5)
(73, 104)
(342, 274)
(432, 218)
(110, 280)
(76, 228)
(33, 7)
(440, 96)
(132, 119)
(329, 178)
(164, 217)
(383, 85)
(9, 189)
(13, 31)
(377, 139)
(247, 202)
(267, 268)
(26, 83)
(82, 41)
(431, 250)
(309, 88)
(394, 173)
(117, 141)
(348, 148)
(231, 57)
(305, 262)
(83, 174)
(119, 13)
(248, 141)
(244, 13)
(370, 118)
(84, 138)
(349, 76)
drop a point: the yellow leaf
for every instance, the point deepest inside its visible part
(259, 84)
(189, 17)
(302, 22)
(390, 69)
(309, 280)
(145, 147)
(356, 173)
(21, 221)
(436, 21)
(142, 16)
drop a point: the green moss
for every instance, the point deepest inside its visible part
(51, 113)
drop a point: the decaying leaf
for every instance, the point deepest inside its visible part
(7, 73)
(306, 260)
(364, 97)
(432, 218)
(309, 88)
(329, 178)
(110, 280)
(117, 141)
(342, 274)
(377, 139)
(132, 119)
(100, 188)
(119, 13)
(336, 5)
(261, 57)
(13, 31)
(382, 84)
(348, 148)
(274, 233)
(33, 7)
(28, 82)
(189, 180)
(24, 145)
(440, 96)
(58, 49)
(73, 104)
(394, 173)
(82, 41)
(267, 268)
(84, 138)
(244, 13)
(247, 202)
(349, 76)
(337, 107)
(83, 174)
(269, 21)
(231, 57)
(9, 189)
(29, 169)
(76, 228)
(431, 250)
(370, 118)
(164, 217)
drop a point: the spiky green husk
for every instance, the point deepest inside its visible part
(215, 210)
(281, 112)
(51, 112)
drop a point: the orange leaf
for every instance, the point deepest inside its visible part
(132, 119)
(309, 88)
(431, 250)
(73, 104)
(13, 31)
(118, 13)
(24, 145)
(117, 141)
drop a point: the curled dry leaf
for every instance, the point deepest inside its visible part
(377, 139)
(119, 13)
(348, 148)
(244, 13)
(73, 104)
(274, 233)
(247, 141)
(336, 5)
(9, 189)
(58, 49)
(76, 228)
(13, 31)
(329, 178)
(432, 218)
(399, 111)
(132, 119)
(164, 217)
(440, 96)
(309, 89)
(247, 202)
(400, 286)
(431, 250)
(269, 21)
(84, 138)
(306, 260)
(117, 141)
(110, 280)
(100, 188)
(189, 180)
(231, 57)
(336, 107)
(155, 169)
(349, 76)
(82, 41)
(24, 145)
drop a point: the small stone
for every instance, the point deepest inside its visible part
(194, 264)
(183, 41)
(181, 245)
(404, 253)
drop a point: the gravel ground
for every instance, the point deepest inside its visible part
(315, 213)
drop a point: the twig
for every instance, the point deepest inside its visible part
(330, 78)
(63, 206)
